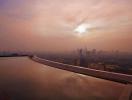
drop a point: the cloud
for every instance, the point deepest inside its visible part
(38, 20)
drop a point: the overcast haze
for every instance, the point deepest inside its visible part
(48, 25)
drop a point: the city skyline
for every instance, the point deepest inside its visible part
(46, 25)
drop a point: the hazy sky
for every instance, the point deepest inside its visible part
(48, 25)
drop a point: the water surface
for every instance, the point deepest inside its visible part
(23, 79)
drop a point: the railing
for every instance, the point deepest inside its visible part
(117, 77)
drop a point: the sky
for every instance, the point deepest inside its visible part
(49, 25)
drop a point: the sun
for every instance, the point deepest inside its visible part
(81, 29)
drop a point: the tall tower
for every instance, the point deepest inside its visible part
(81, 59)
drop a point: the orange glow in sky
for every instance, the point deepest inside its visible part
(48, 25)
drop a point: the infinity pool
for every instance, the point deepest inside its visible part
(23, 79)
